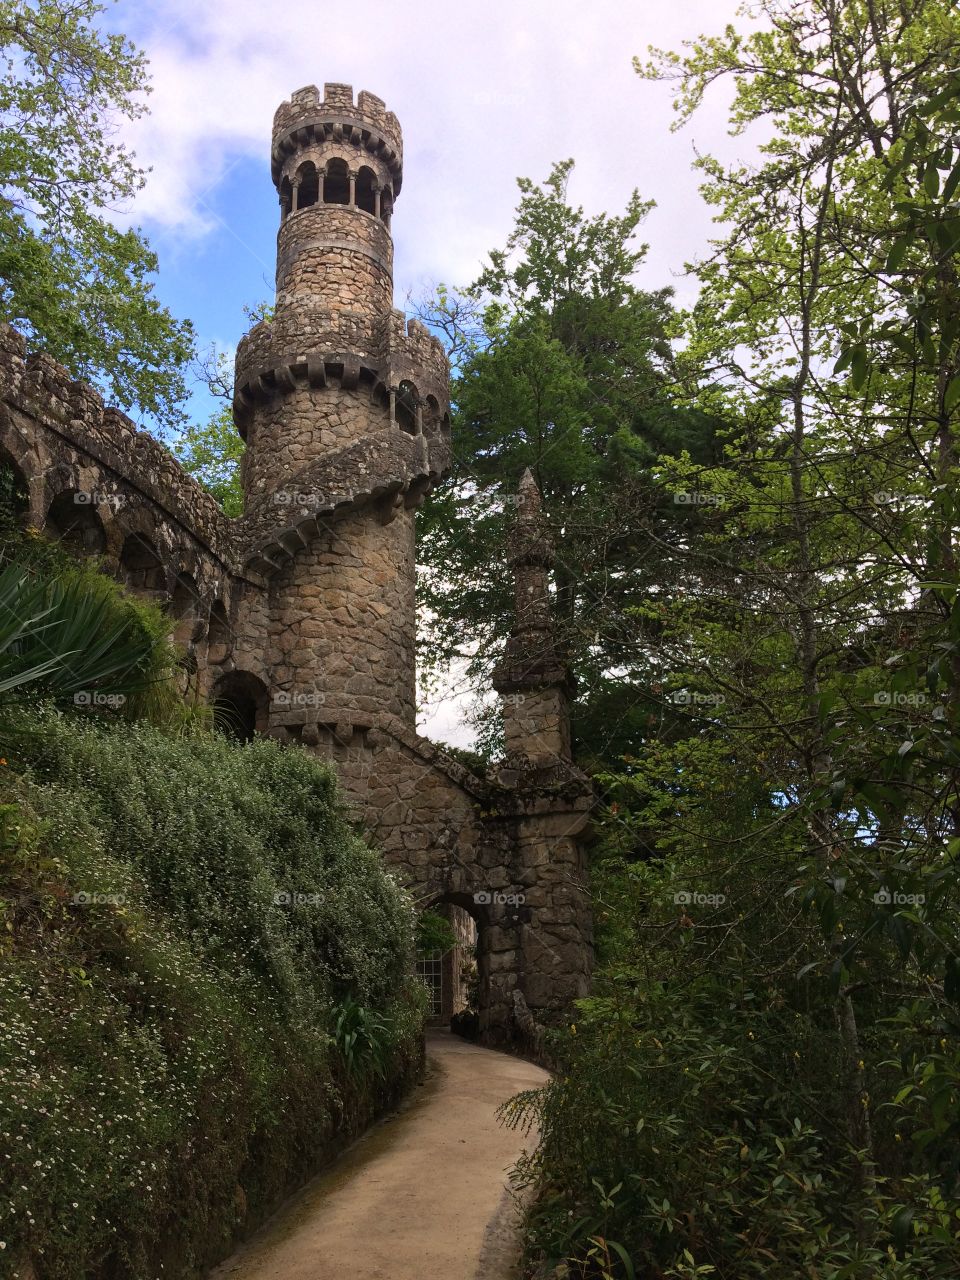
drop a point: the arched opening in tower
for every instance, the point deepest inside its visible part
(336, 186)
(74, 521)
(286, 198)
(366, 190)
(431, 415)
(406, 411)
(140, 565)
(240, 705)
(308, 190)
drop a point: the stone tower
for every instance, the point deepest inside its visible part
(297, 619)
(338, 391)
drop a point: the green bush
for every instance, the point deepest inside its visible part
(169, 1055)
(705, 1117)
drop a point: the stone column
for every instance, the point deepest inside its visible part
(544, 796)
(353, 188)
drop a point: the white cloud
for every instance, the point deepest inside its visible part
(484, 93)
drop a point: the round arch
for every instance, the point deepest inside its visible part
(407, 403)
(141, 568)
(366, 189)
(73, 520)
(336, 184)
(308, 185)
(241, 704)
(455, 979)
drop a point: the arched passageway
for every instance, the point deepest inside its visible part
(452, 976)
(75, 522)
(240, 705)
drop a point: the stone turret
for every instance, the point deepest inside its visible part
(533, 677)
(345, 409)
(336, 364)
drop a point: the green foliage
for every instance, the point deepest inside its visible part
(766, 1079)
(364, 1039)
(71, 636)
(698, 1114)
(64, 638)
(212, 455)
(562, 364)
(78, 286)
(192, 932)
(434, 932)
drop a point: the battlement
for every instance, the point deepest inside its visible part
(308, 117)
(44, 392)
(414, 353)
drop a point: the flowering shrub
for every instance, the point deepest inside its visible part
(182, 921)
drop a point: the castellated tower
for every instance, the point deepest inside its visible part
(297, 619)
(344, 408)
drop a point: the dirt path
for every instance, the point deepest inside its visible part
(421, 1197)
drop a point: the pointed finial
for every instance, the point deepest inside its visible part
(529, 499)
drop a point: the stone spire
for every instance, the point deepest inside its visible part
(533, 676)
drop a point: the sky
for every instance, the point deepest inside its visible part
(485, 92)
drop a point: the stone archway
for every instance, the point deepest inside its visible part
(449, 976)
(240, 705)
(75, 522)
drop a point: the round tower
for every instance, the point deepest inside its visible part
(338, 167)
(344, 407)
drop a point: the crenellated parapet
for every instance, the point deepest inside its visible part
(307, 118)
(42, 400)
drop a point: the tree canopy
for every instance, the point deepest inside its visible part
(72, 278)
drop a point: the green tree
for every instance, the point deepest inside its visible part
(212, 454)
(767, 1083)
(562, 364)
(77, 285)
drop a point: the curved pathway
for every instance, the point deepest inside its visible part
(422, 1196)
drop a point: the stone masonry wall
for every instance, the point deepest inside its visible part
(342, 625)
